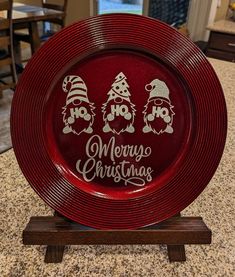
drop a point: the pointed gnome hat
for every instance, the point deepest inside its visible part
(77, 91)
(157, 88)
(120, 86)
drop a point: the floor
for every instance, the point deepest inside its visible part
(18, 202)
(5, 106)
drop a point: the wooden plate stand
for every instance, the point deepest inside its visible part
(57, 231)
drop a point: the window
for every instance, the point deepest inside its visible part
(123, 6)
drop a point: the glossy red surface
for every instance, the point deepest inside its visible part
(166, 149)
(58, 150)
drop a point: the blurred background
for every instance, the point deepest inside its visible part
(208, 23)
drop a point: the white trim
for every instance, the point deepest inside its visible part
(214, 5)
(94, 7)
(201, 13)
(145, 8)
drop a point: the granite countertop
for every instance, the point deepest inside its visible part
(18, 202)
(223, 26)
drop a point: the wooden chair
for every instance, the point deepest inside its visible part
(6, 43)
(63, 8)
(26, 36)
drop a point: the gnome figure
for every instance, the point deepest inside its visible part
(158, 112)
(118, 111)
(78, 115)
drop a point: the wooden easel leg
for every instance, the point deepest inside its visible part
(176, 253)
(54, 254)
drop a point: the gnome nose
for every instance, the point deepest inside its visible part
(77, 102)
(149, 87)
(118, 100)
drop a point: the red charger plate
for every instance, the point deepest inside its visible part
(118, 121)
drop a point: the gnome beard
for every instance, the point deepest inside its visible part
(78, 118)
(158, 116)
(118, 115)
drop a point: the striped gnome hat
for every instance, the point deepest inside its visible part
(76, 88)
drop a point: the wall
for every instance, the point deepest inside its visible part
(30, 2)
(222, 10)
(76, 10)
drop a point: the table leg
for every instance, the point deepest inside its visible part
(34, 37)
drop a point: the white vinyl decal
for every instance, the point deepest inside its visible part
(78, 115)
(120, 169)
(158, 112)
(108, 158)
(118, 111)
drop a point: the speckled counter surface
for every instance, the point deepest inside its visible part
(223, 26)
(18, 202)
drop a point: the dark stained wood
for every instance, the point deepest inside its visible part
(54, 254)
(37, 14)
(6, 42)
(220, 41)
(62, 7)
(6, 61)
(5, 5)
(221, 46)
(4, 23)
(6, 86)
(176, 253)
(57, 231)
(52, 6)
(48, 12)
(34, 37)
(221, 55)
(23, 19)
